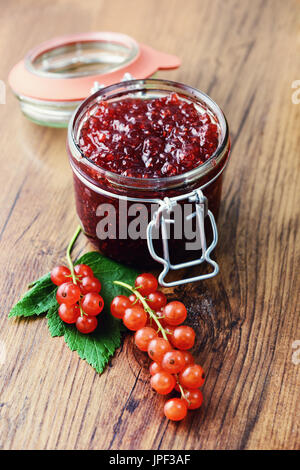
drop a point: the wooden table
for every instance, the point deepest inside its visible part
(245, 54)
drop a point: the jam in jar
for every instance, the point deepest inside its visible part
(135, 144)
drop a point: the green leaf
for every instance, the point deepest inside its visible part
(55, 324)
(39, 299)
(97, 347)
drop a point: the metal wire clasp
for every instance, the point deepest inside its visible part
(160, 221)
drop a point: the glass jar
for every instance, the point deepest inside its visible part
(98, 191)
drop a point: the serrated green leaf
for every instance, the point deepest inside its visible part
(39, 299)
(97, 347)
(55, 324)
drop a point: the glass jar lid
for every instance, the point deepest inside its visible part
(56, 76)
(82, 57)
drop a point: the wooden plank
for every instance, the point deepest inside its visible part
(246, 56)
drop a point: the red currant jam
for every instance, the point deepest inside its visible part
(130, 145)
(150, 138)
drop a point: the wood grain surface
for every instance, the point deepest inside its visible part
(245, 54)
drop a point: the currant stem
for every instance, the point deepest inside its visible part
(70, 262)
(145, 305)
(69, 250)
(181, 390)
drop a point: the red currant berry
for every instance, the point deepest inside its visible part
(173, 362)
(175, 409)
(183, 337)
(194, 398)
(119, 305)
(146, 283)
(188, 358)
(157, 348)
(175, 313)
(86, 324)
(90, 284)
(92, 304)
(68, 293)
(135, 318)
(192, 376)
(60, 274)
(154, 368)
(163, 383)
(83, 270)
(157, 300)
(143, 336)
(69, 313)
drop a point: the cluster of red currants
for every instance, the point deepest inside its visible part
(78, 296)
(160, 332)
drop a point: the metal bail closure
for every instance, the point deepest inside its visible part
(161, 221)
